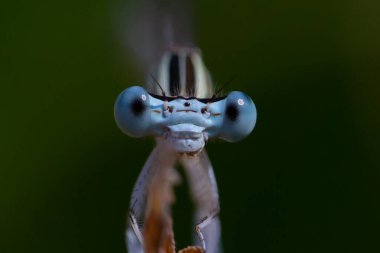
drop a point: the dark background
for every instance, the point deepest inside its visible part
(306, 180)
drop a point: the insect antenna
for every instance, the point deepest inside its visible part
(158, 84)
(223, 86)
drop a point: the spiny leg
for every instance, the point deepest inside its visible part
(205, 222)
(134, 235)
(204, 191)
(135, 226)
(160, 158)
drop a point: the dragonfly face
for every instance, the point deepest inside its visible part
(182, 120)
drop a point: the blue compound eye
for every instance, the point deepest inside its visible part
(132, 112)
(239, 117)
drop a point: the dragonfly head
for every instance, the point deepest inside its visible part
(185, 123)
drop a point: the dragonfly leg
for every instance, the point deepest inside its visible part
(205, 195)
(160, 158)
(135, 227)
(133, 235)
(207, 220)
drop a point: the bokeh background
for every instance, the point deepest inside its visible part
(306, 180)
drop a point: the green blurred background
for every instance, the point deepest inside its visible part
(306, 180)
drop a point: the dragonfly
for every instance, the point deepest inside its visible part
(180, 108)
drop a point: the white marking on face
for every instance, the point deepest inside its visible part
(240, 101)
(143, 97)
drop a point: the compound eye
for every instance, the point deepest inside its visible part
(239, 117)
(232, 112)
(138, 105)
(131, 111)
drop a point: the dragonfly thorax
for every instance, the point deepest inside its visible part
(181, 72)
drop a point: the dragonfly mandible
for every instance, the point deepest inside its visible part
(181, 110)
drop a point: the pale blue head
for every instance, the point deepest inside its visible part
(184, 121)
